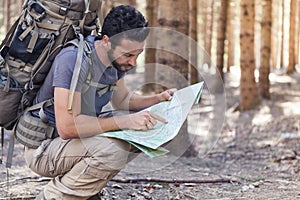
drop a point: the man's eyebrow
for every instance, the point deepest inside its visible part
(131, 54)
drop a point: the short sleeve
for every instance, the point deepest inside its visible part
(64, 65)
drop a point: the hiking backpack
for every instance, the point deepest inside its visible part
(28, 50)
(26, 54)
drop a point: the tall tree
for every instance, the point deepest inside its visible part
(291, 66)
(172, 54)
(276, 33)
(221, 36)
(297, 29)
(208, 24)
(20, 5)
(284, 44)
(151, 13)
(193, 49)
(298, 55)
(6, 15)
(179, 23)
(1, 11)
(231, 29)
(249, 96)
(265, 49)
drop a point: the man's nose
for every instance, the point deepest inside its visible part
(132, 61)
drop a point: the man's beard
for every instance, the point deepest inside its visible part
(117, 65)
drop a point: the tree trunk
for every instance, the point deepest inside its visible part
(265, 50)
(231, 29)
(298, 44)
(20, 6)
(173, 70)
(193, 16)
(221, 36)
(150, 59)
(276, 34)
(2, 11)
(297, 29)
(6, 22)
(291, 66)
(282, 36)
(249, 97)
(208, 26)
(179, 22)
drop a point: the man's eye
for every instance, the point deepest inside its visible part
(127, 54)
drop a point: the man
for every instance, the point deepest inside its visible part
(80, 161)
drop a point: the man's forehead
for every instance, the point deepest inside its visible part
(128, 45)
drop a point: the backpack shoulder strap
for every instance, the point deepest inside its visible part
(82, 48)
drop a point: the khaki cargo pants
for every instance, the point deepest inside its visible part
(80, 168)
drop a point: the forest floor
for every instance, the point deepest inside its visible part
(257, 156)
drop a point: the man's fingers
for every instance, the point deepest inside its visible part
(152, 121)
(157, 117)
(172, 91)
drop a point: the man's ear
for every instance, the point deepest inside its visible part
(105, 39)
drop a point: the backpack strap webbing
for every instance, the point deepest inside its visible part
(102, 88)
(76, 72)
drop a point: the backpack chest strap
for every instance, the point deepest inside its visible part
(101, 88)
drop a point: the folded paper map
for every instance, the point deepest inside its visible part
(174, 111)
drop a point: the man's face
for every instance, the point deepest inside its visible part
(124, 56)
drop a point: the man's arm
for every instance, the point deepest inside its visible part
(76, 125)
(123, 99)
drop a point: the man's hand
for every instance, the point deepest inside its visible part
(144, 120)
(166, 95)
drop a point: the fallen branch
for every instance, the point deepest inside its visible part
(27, 179)
(19, 197)
(158, 180)
(135, 180)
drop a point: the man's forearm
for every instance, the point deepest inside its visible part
(139, 102)
(86, 126)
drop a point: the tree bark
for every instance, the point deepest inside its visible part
(249, 97)
(276, 34)
(193, 48)
(150, 59)
(221, 37)
(208, 26)
(6, 22)
(265, 50)
(282, 56)
(297, 29)
(173, 16)
(231, 29)
(291, 66)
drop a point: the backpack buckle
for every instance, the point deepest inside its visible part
(63, 11)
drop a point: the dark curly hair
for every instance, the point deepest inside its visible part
(125, 21)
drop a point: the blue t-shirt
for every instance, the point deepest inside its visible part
(60, 75)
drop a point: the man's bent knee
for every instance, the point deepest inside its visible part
(108, 154)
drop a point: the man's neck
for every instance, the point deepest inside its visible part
(101, 50)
